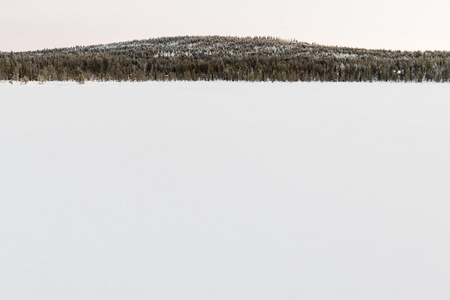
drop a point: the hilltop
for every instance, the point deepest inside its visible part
(223, 58)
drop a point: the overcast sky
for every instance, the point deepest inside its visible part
(394, 24)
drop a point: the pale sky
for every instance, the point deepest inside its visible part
(390, 24)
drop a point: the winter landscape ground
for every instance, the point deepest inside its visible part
(216, 190)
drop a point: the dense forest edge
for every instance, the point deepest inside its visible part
(223, 58)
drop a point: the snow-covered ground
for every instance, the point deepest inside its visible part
(210, 191)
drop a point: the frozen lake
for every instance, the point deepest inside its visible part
(210, 191)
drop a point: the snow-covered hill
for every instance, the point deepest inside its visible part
(224, 58)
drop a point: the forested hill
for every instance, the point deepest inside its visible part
(223, 58)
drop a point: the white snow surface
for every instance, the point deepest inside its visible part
(219, 190)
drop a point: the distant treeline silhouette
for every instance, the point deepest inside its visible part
(223, 58)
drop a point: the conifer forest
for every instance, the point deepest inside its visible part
(223, 58)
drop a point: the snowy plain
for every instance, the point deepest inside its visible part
(216, 190)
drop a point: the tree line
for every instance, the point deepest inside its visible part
(223, 58)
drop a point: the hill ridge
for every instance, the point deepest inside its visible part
(224, 58)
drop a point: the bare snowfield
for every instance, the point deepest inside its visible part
(219, 190)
